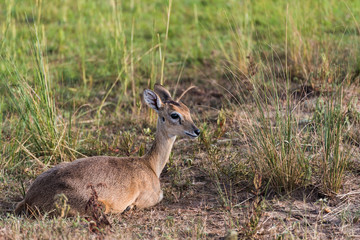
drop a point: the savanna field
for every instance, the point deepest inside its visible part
(276, 97)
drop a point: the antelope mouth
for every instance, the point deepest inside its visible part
(191, 135)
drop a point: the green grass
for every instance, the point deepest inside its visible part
(46, 133)
(276, 101)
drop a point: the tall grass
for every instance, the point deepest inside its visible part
(277, 150)
(285, 152)
(45, 137)
(280, 148)
(330, 125)
(162, 80)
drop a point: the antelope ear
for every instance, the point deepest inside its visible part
(152, 99)
(162, 92)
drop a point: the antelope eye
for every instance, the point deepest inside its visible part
(174, 116)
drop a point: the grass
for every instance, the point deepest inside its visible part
(276, 99)
(47, 133)
(334, 159)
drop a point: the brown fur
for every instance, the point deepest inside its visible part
(119, 182)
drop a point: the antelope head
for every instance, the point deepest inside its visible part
(174, 116)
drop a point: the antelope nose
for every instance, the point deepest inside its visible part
(197, 132)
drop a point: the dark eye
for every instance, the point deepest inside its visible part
(174, 116)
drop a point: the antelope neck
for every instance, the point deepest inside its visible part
(160, 150)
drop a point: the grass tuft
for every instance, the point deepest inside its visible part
(44, 133)
(330, 125)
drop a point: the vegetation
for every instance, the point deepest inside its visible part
(276, 98)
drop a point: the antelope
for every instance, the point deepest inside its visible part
(121, 183)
